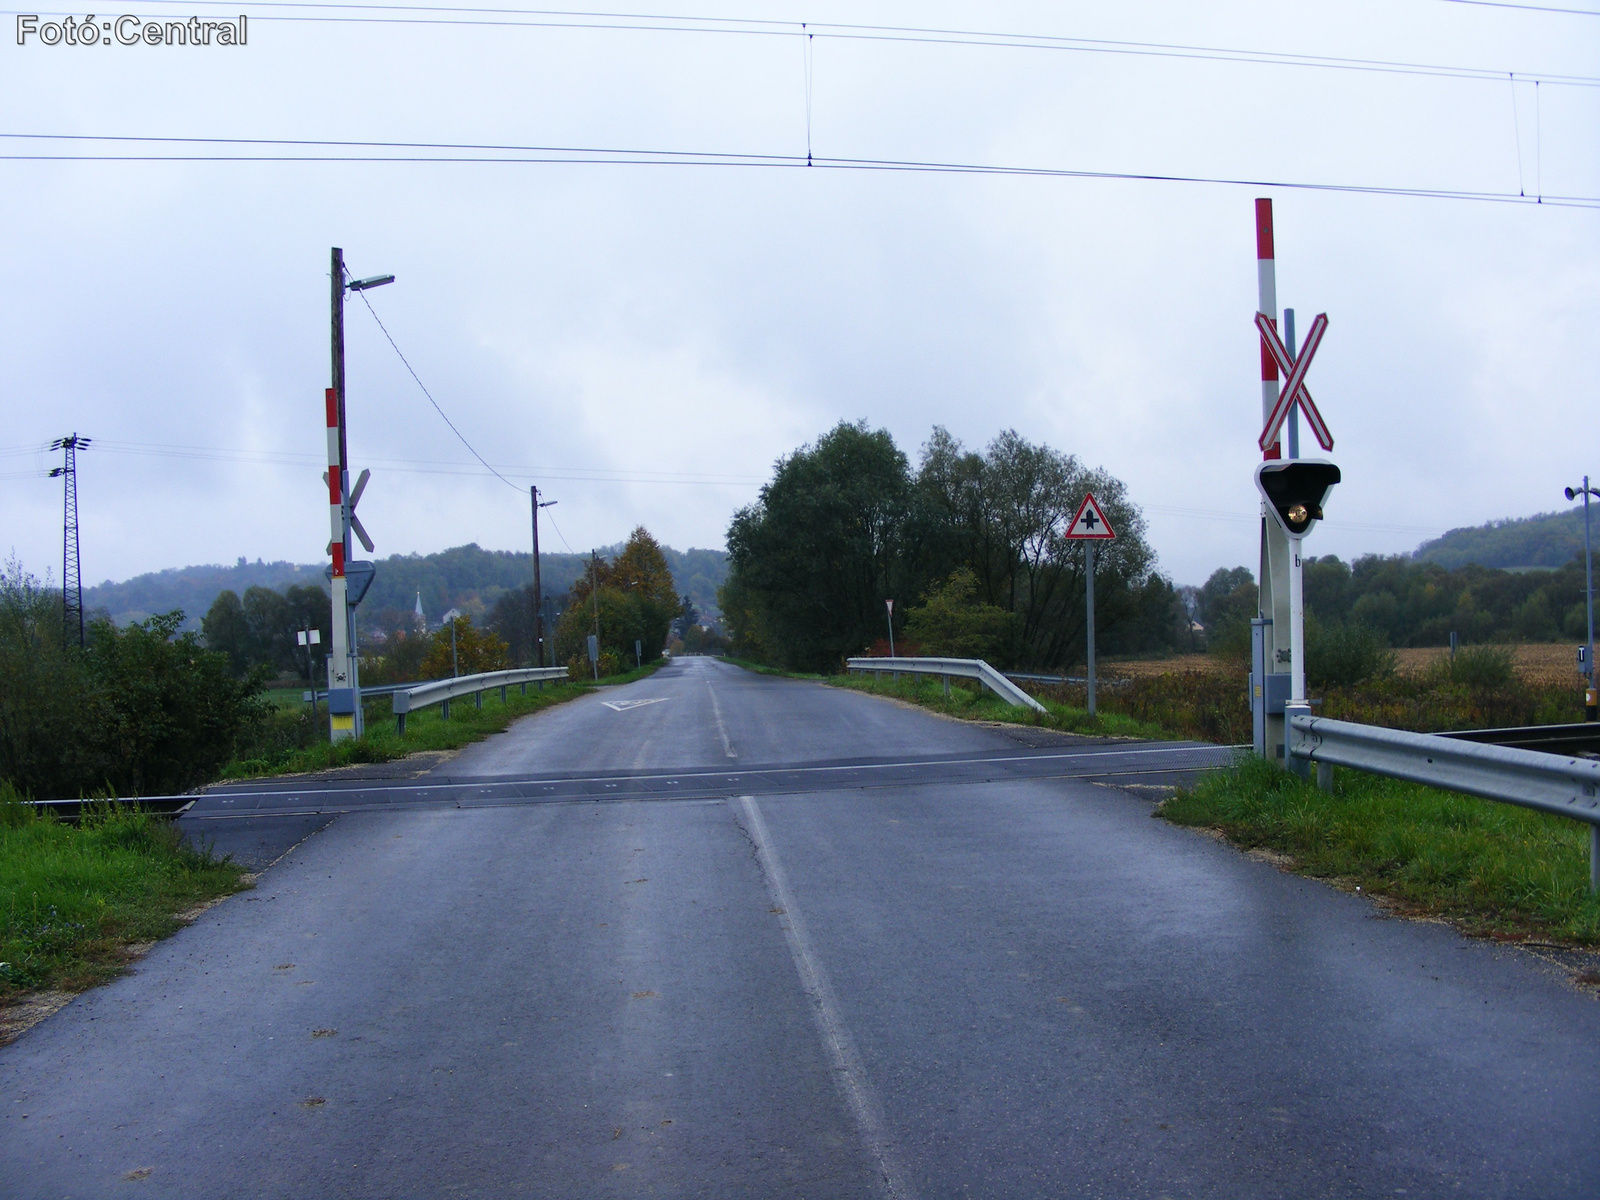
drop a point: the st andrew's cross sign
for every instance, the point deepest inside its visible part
(1294, 380)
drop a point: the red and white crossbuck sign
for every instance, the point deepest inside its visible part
(1294, 380)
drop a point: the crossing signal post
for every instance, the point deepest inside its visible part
(1277, 634)
(348, 580)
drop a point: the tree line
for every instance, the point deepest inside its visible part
(1409, 603)
(969, 545)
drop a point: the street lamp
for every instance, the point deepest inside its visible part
(1590, 708)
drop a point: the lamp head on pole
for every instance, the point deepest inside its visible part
(361, 285)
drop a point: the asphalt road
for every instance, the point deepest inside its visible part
(757, 937)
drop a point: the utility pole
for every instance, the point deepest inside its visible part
(1591, 698)
(594, 594)
(538, 591)
(71, 574)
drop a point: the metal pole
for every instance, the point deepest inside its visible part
(889, 604)
(594, 594)
(1088, 605)
(1297, 626)
(1590, 709)
(1294, 413)
(538, 593)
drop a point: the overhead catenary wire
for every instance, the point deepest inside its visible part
(458, 153)
(502, 17)
(1533, 8)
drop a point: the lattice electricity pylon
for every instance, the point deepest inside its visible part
(71, 575)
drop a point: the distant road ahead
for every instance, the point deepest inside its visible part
(717, 934)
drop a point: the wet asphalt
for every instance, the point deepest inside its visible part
(936, 984)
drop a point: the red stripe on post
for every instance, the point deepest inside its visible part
(335, 492)
(333, 409)
(338, 559)
(1264, 229)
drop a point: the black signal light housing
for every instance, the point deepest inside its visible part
(1295, 490)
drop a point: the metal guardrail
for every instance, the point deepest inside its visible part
(422, 695)
(1565, 785)
(961, 668)
(382, 689)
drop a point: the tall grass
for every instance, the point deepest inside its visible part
(1490, 868)
(73, 897)
(1478, 690)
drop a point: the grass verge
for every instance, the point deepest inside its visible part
(1489, 869)
(75, 898)
(968, 701)
(301, 745)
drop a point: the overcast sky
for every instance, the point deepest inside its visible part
(645, 341)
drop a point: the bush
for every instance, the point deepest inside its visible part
(1345, 654)
(954, 623)
(1478, 667)
(475, 652)
(142, 710)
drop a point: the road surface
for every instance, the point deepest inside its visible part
(718, 934)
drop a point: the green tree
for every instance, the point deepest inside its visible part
(227, 632)
(476, 651)
(954, 623)
(814, 559)
(637, 602)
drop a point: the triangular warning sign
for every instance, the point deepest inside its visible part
(1090, 524)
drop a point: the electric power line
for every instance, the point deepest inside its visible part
(432, 401)
(473, 153)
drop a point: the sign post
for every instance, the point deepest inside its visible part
(1089, 526)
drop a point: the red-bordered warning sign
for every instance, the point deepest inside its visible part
(1090, 525)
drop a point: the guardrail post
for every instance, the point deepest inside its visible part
(444, 710)
(1325, 776)
(1300, 766)
(502, 693)
(946, 679)
(400, 724)
(524, 689)
(477, 700)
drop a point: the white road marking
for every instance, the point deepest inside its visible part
(836, 1039)
(716, 711)
(625, 705)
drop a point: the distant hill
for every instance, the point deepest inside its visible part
(465, 577)
(1545, 540)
